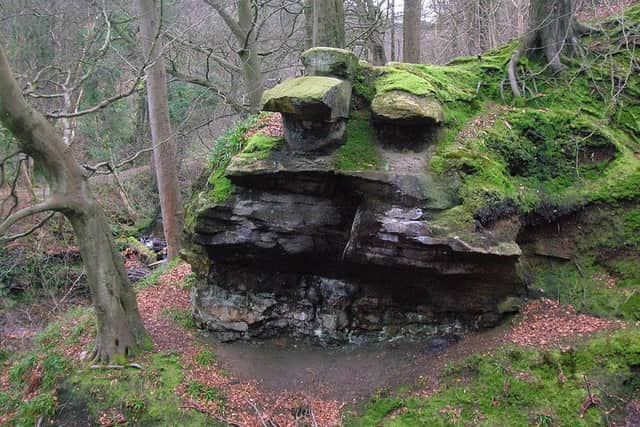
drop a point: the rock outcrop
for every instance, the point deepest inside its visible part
(306, 249)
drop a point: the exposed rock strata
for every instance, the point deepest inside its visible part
(303, 249)
(311, 252)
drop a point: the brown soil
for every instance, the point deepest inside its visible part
(350, 373)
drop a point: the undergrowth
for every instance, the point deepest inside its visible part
(45, 383)
(518, 387)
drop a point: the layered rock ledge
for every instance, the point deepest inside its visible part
(306, 248)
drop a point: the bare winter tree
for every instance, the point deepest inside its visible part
(412, 31)
(164, 148)
(366, 24)
(120, 331)
(553, 32)
(244, 29)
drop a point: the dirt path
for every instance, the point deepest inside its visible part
(349, 373)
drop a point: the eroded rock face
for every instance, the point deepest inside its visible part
(303, 250)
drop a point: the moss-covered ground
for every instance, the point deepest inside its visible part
(358, 153)
(49, 382)
(524, 387)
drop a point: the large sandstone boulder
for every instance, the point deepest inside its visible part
(310, 98)
(314, 111)
(305, 250)
(328, 61)
(404, 108)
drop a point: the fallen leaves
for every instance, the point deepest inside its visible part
(241, 403)
(545, 322)
(269, 125)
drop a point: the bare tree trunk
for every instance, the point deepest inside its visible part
(120, 331)
(164, 147)
(392, 7)
(553, 32)
(411, 31)
(375, 41)
(308, 24)
(251, 72)
(244, 30)
(328, 23)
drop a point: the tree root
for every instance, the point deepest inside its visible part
(128, 365)
(512, 72)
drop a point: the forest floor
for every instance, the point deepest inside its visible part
(280, 383)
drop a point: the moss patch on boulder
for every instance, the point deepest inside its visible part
(312, 97)
(403, 107)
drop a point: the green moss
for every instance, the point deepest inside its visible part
(362, 86)
(359, 151)
(520, 387)
(259, 147)
(446, 83)
(620, 182)
(220, 186)
(146, 397)
(215, 188)
(205, 358)
(307, 88)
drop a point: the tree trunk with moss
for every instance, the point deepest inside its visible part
(552, 34)
(120, 331)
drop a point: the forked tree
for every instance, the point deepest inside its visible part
(120, 331)
(553, 33)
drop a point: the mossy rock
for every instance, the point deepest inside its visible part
(331, 62)
(146, 255)
(312, 98)
(406, 108)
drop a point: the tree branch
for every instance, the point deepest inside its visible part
(228, 19)
(53, 204)
(11, 238)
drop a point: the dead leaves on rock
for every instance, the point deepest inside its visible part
(269, 125)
